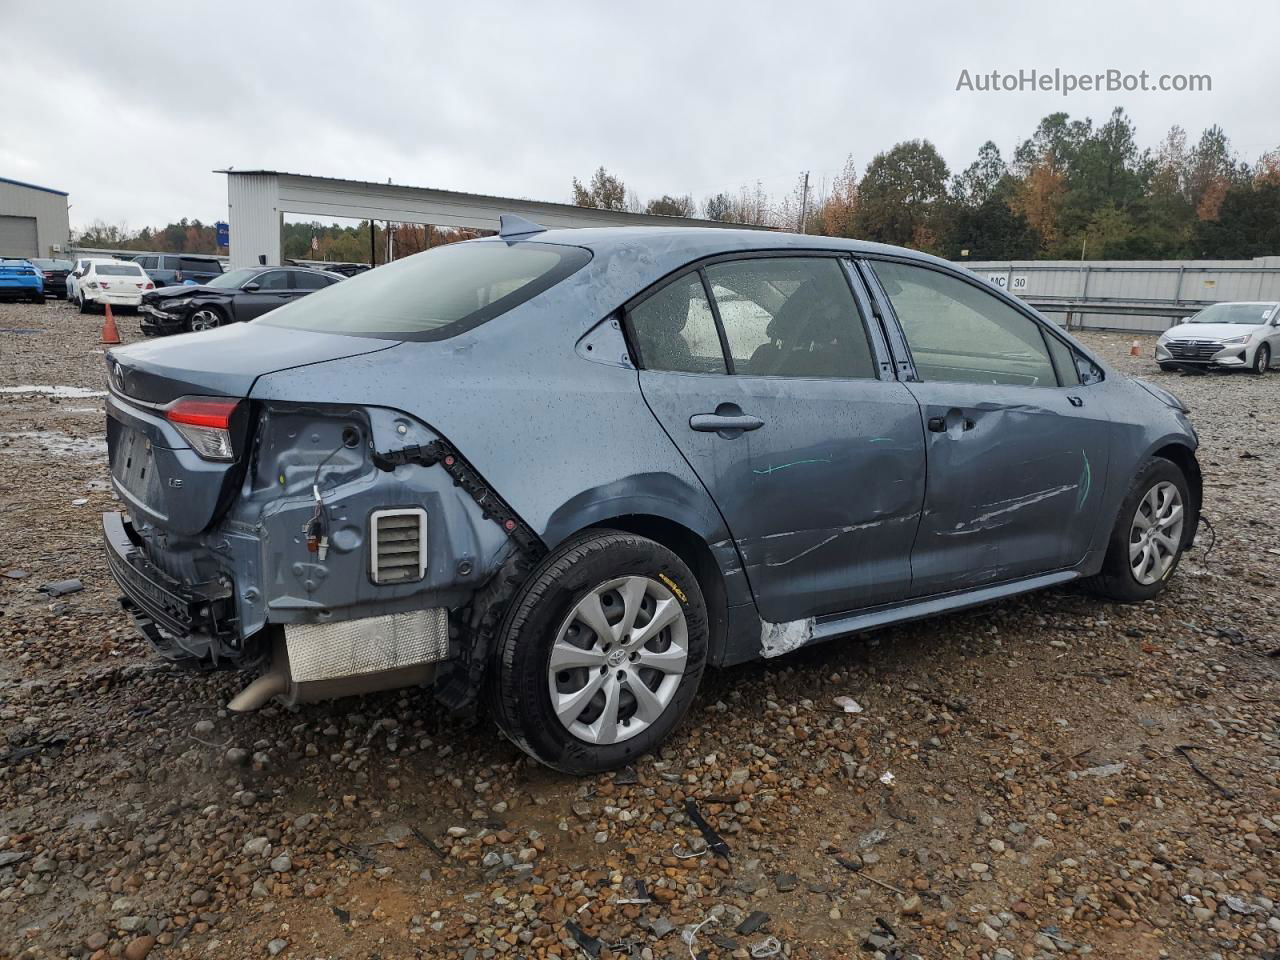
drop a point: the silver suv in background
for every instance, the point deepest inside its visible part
(1241, 336)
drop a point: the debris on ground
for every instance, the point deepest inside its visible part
(117, 825)
(60, 588)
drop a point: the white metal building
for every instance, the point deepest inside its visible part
(257, 201)
(1120, 290)
(33, 220)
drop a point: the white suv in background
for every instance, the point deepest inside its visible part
(117, 282)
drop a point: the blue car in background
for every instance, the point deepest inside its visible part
(567, 470)
(21, 280)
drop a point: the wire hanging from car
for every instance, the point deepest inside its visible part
(1204, 561)
(316, 529)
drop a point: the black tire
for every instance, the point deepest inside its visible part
(1262, 359)
(83, 303)
(1116, 580)
(38, 298)
(518, 691)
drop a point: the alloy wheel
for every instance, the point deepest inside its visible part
(618, 659)
(1155, 536)
(204, 320)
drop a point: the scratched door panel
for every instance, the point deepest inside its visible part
(1016, 477)
(822, 499)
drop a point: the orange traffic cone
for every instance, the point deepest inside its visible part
(1135, 350)
(110, 333)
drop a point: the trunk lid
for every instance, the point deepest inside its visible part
(224, 362)
(153, 467)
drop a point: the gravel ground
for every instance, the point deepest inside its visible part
(1014, 786)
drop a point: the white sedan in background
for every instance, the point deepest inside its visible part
(1240, 336)
(116, 282)
(78, 271)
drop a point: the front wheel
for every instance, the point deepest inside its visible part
(600, 654)
(1262, 359)
(1149, 536)
(206, 318)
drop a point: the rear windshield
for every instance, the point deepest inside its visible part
(434, 295)
(53, 264)
(201, 266)
(118, 270)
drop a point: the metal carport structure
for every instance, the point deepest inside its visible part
(257, 201)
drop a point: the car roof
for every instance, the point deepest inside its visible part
(694, 243)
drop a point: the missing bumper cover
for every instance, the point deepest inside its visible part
(328, 651)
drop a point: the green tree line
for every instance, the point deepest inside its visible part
(1071, 189)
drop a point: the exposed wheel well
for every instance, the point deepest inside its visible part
(1185, 459)
(693, 550)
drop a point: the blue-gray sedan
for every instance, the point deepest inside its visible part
(567, 470)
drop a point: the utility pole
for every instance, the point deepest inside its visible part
(804, 202)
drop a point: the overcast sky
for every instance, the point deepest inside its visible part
(130, 106)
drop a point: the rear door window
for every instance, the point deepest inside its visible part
(308, 281)
(791, 317)
(437, 294)
(675, 330)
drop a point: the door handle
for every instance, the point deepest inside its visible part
(716, 422)
(939, 424)
(1076, 401)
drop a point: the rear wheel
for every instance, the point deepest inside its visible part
(600, 654)
(83, 303)
(206, 318)
(1262, 359)
(1149, 536)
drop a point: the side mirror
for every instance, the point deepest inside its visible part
(251, 286)
(1185, 320)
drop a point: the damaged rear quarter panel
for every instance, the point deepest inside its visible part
(566, 441)
(300, 448)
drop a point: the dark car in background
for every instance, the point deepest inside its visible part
(168, 269)
(55, 276)
(568, 469)
(21, 280)
(346, 269)
(239, 295)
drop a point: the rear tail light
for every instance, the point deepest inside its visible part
(149, 286)
(205, 422)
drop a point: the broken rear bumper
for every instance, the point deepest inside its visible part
(179, 620)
